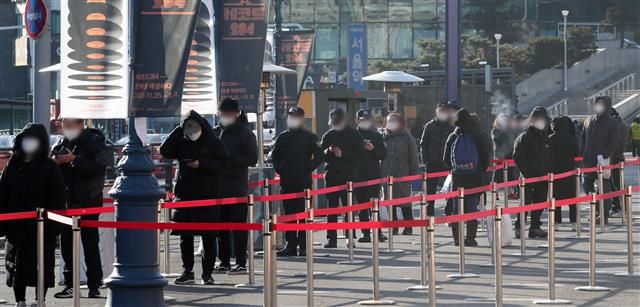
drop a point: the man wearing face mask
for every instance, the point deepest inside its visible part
(432, 142)
(532, 155)
(242, 147)
(369, 167)
(600, 137)
(83, 158)
(342, 146)
(202, 158)
(295, 156)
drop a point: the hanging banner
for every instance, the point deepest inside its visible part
(295, 53)
(164, 31)
(94, 57)
(200, 83)
(357, 56)
(244, 30)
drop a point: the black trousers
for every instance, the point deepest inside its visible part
(615, 186)
(534, 193)
(589, 187)
(233, 214)
(362, 195)
(563, 189)
(90, 240)
(20, 293)
(291, 206)
(208, 253)
(432, 187)
(335, 200)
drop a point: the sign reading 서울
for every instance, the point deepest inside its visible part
(244, 30)
(35, 18)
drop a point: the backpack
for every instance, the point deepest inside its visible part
(464, 156)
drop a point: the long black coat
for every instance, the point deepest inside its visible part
(432, 143)
(196, 183)
(241, 145)
(345, 168)
(295, 156)
(532, 154)
(564, 149)
(25, 186)
(369, 162)
(601, 136)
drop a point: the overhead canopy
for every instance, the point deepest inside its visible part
(275, 69)
(54, 67)
(393, 76)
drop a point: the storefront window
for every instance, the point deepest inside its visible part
(327, 42)
(399, 10)
(400, 42)
(376, 10)
(377, 41)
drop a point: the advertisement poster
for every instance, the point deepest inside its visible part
(295, 53)
(243, 34)
(94, 57)
(164, 32)
(357, 61)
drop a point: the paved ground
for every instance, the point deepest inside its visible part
(525, 278)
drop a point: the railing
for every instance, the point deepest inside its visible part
(624, 84)
(559, 108)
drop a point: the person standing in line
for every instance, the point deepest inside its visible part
(369, 167)
(634, 136)
(83, 158)
(295, 156)
(564, 150)
(600, 138)
(342, 146)
(533, 158)
(202, 158)
(467, 153)
(432, 142)
(617, 158)
(241, 145)
(401, 160)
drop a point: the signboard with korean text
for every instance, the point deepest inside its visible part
(35, 18)
(243, 35)
(357, 56)
(295, 53)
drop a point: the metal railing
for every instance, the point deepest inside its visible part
(626, 83)
(559, 108)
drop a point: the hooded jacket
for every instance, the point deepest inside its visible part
(369, 164)
(502, 143)
(432, 143)
(618, 154)
(600, 136)
(563, 145)
(196, 183)
(345, 168)
(295, 155)
(241, 145)
(401, 160)
(25, 186)
(532, 153)
(465, 124)
(84, 177)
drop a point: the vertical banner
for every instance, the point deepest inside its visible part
(164, 31)
(357, 56)
(200, 83)
(244, 30)
(295, 53)
(94, 57)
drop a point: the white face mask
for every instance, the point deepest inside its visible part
(30, 145)
(442, 117)
(293, 123)
(540, 124)
(392, 125)
(71, 134)
(227, 121)
(194, 136)
(365, 124)
(339, 127)
(599, 108)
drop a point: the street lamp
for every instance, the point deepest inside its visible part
(565, 13)
(392, 84)
(498, 36)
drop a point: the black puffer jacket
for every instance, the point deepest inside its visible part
(369, 162)
(241, 145)
(532, 154)
(563, 145)
(600, 136)
(466, 125)
(196, 183)
(618, 154)
(502, 143)
(432, 143)
(345, 168)
(295, 156)
(25, 186)
(85, 176)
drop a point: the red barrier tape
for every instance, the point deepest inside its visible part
(434, 197)
(342, 210)
(477, 190)
(632, 161)
(408, 178)
(173, 226)
(317, 176)
(205, 202)
(469, 216)
(610, 195)
(329, 190)
(573, 201)
(589, 170)
(532, 207)
(369, 183)
(507, 184)
(85, 211)
(564, 175)
(60, 218)
(300, 216)
(400, 201)
(536, 179)
(437, 175)
(635, 189)
(350, 225)
(18, 216)
(277, 197)
(578, 159)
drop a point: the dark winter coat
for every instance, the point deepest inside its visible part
(241, 145)
(564, 149)
(369, 162)
(532, 154)
(25, 186)
(196, 183)
(502, 143)
(618, 154)
(601, 136)
(345, 168)
(432, 143)
(401, 160)
(465, 125)
(295, 156)
(84, 177)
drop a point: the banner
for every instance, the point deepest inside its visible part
(164, 30)
(201, 82)
(295, 53)
(357, 56)
(243, 34)
(94, 57)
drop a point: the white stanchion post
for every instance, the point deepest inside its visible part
(579, 234)
(505, 178)
(629, 212)
(267, 246)
(273, 274)
(461, 265)
(167, 246)
(75, 229)
(431, 231)
(424, 263)
(309, 247)
(491, 232)
(592, 250)
(40, 256)
(623, 216)
(391, 210)
(350, 232)
(308, 204)
(497, 235)
(251, 284)
(602, 213)
(521, 218)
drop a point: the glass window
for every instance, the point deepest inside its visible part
(327, 42)
(376, 10)
(424, 10)
(326, 11)
(400, 10)
(400, 42)
(351, 11)
(423, 31)
(377, 41)
(301, 11)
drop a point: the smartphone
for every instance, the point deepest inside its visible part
(367, 141)
(60, 152)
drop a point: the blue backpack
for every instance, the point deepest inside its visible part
(464, 156)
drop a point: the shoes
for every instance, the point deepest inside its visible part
(238, 270)
(332, 243)
(574, 227)
(67, 292)
(407, 232)
(513, 196)
(186, 278)
(287, 252)
(21, 304)
(517, 232)
(207, 279)
(615, 210)
(556, 227)
(395, 231)
(606, 220)
(222, 268)
(537, 233)
(382, 238)
(365, 239)
(302, 252)
(94, 293)
(470, 242)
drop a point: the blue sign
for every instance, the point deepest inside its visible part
(35, 18)
(357, 56)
